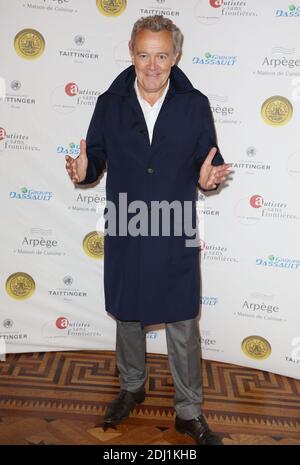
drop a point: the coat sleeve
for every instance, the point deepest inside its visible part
(207, 140)
(95, 145)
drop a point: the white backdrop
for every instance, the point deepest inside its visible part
(57, 56)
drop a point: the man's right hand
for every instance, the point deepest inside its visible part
(77, 167)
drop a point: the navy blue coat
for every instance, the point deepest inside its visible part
(151, 279)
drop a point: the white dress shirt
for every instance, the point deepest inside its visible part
(150, 112)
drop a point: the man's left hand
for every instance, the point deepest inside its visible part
(210, 176)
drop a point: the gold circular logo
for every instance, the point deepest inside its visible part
(93, 244)
(256, 347)
(111, 7)
(20, 286)
(277, 111)
(29, 44)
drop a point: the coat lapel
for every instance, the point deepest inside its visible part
(159, 133)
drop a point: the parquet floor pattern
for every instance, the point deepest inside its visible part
(61, 397)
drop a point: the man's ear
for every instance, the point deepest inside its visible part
(131, 51)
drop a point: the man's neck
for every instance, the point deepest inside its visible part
(151, 97)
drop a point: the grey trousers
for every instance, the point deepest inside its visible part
(183, 343)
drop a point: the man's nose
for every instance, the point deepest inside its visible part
(152, 63)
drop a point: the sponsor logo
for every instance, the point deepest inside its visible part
(260, 307)
(209, 342)
(29, 44)
(253, 166)
(277, 111)
(111, 7)
(37, 243)
(79, 54)
(93, 244)
(70, 149)
(254, 209)
(281, 62)
(162, 9)
(66, 98)
(271, 209)
(9, 335)
(16, 100)
(20, 286)
(219, 253)
(214, 59)
(222, 111)
(64, 327)
(16, 141)
(205, 210)
(293, 11)
(278, 262)
(211, 11)
(256, 347)
(68, 293)
(31, 194)
(92, 202)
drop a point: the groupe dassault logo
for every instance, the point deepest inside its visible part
(31, 194)
(292, 11)
(70, 149)
(214, 59)
(279, 262)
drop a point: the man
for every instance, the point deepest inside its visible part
(154, 134)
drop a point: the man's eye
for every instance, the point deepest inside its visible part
(162, 57)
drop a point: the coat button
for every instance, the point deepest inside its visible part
(150, 170)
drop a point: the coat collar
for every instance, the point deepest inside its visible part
(123, 84)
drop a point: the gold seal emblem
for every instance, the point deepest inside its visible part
(20, 286)
(93, 244)
(277, 111)
(29, 44)
(111, 7)
(256, 347)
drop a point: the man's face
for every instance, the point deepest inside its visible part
(153, 56)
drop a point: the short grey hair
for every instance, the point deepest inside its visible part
(158, 23)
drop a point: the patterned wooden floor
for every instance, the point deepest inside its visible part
(60, 398)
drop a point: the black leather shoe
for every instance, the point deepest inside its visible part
(199, 430)
(120, 408)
